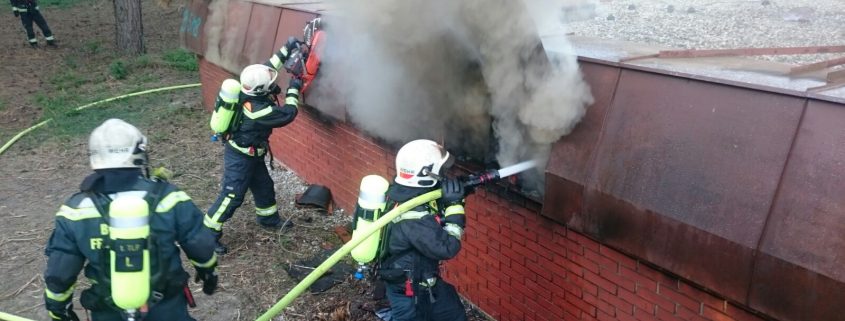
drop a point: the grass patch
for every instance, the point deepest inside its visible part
(82, 81)
(143, 61)
(181, 59)
(71, 62)
(67, 79)
(118, 69)
(147, 110)
(92, 47)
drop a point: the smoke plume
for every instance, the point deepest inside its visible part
(453, 71)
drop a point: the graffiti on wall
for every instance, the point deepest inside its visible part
(190, 23)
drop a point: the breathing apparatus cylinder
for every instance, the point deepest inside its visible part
(224, 108)
(371, 202)
(129, 255)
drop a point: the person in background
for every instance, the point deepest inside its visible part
(29, 12)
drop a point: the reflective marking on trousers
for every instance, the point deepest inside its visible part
(207, 264)
(214, 221)
(266, 211)
(212, 224)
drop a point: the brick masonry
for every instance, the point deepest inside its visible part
(515, 264)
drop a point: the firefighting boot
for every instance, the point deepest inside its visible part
(279, 224)
(273, 222)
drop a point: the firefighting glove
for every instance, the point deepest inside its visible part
(295, 83)
(291, 45)
(285, 51)
(208, 276)
(453, 202)
(161, 173)
(62, 312)
(453, 192)
(275, 89)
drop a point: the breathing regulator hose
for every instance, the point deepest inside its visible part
(358, 238)
(21, 134)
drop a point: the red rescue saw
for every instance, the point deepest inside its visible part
(304, 61)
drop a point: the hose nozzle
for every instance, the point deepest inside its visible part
(474, 180)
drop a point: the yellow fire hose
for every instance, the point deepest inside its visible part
(359, 237)
(19, 135)
(9, 317)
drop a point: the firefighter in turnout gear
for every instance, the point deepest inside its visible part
(247, 141)
(129, 229)
(416, 241)
(29, 12)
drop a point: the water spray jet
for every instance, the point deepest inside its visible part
(474, 180)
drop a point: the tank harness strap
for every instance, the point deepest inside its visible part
(249, 151)
(101, 203)
(161, 287)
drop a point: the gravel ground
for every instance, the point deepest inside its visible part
(715, 24)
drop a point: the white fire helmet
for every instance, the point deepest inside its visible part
(421, 163)
(117, 144)
(257, 79)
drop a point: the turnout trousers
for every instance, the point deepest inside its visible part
(440, 304)
(241, 173)
(33, 15)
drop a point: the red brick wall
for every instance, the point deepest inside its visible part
(515, 263)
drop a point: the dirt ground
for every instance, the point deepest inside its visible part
(45, 167)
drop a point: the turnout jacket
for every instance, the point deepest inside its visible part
(260, 115)
(24, 5)
(416, 240)
(263, 113)
(81, 235)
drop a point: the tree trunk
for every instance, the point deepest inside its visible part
(129, 31)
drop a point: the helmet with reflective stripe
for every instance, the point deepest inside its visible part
(257, 79)
(421, 163)
(117, 144)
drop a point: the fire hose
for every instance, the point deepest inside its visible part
(471, 182)
(21, 134)
(9, 317)
(344, 250)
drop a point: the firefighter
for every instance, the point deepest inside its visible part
(247, 144)
(126, 226)
(415, 242)
(29, 12)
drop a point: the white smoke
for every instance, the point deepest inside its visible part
(452, 71)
